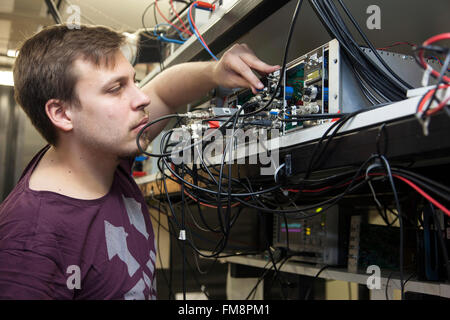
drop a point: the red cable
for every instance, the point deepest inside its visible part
(209, 205)
(419, 190)
(425, 195)
(427, 42)
(193, 23)
(323, 188)
(186, 30)
(326, 188)
(164, 17)
(428, 96)
(411, 184)
(397, 44)
(439, 107)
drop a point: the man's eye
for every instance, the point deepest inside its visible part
(115, 89)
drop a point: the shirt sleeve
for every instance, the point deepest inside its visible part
(28, 275)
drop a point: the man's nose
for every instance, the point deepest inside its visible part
(141, 100)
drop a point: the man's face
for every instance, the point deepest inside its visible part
(112, 108)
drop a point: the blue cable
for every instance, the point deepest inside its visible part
(163, 38)
(439, 60)
(196, 34)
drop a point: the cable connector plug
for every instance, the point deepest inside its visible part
(205, 6)
(262, 123)
(197, 115)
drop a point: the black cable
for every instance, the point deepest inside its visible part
(138, 143)
(326, 180)
(239, 254)
(230, 147)
(143, 16)
(276, 273)
(422, 178)
(170, 262)
(312, 282)
(245, 194)
(163, 144)
(259, 280)
(183, 239)
(231, 118)
(409, 278)
(272, 258)
(271, 210)
(313, 116)
(202, 218)
(328, 202)
(363, 35)
(371, 98)
(173, 215)
(441, 235)
(53, 11)
(264, 275)
(376, 78)
(222, 243)
(443, 193)
(336, 126)
(300, 212)
(224, 239)
(387, 285)
(283, 68)
(229, 170)
(187, 263)
(400, 219)
(187, 239)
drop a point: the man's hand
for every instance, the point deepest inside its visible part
(234, 69)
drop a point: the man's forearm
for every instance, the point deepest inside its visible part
(183, 83)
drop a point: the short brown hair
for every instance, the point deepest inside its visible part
(43, 68)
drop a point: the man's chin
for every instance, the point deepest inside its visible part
(132, 149)
(129, 153)
(135, 151)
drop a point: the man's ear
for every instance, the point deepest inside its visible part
(60, 114)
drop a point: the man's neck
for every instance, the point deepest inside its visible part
(75, 172)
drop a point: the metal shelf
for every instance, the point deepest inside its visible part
(431, 288)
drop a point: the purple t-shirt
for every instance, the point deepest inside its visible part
(56, 247)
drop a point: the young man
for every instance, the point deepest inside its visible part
(76, 225)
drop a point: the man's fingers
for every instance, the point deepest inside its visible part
(258, 65)
(245, 72)
(239, 82)
(241, 64)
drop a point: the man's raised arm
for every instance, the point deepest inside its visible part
(187, 82)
